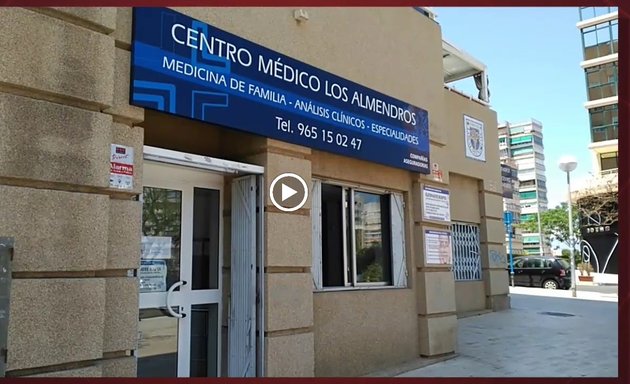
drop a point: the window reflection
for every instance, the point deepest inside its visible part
(161, 238)
(371, 239)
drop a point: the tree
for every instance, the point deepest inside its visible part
(554, 224)
(597, 201)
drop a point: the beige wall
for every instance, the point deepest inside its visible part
(358, 332)
(470, 296)
(62, 103)
(464, 198)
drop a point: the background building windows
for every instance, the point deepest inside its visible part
(591, 12)
(522, 151)
(528, 183)
(601, 81)
(521, 140)
(609, 161)
(604, 123)
(528, 217)
(531, 239)
(600, 40)
(528, 195)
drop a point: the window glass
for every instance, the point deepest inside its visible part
(161, 239)
(206, 211)
(528, 195)
(590, 38)
(356, 237)
(603, 34)
(528, 217)
(333, 265)
(565, 264)
(373, 260)
(534, 263)
(604, 121)
(522, 139)
(522, 151)
(609, 161)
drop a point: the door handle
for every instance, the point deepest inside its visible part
(168, 300)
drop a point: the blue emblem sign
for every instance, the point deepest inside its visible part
(191, 69)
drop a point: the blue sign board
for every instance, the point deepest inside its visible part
(191, 69)
(507, 217)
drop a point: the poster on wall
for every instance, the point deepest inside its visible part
(121, 167)
(152, 275)
(437, 247)
(475, 138)
(189, 68)
(436, 204)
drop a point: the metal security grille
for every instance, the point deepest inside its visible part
(466, 252)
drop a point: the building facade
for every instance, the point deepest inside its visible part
(597, 196)
(523, 144)
(138, 167)
(512, 204)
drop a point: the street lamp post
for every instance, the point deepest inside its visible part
(568, 164)
(507, 218)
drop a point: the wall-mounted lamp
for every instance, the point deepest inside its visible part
(300, 15)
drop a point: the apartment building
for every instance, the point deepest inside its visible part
(522, 143)
(512, 204)
(597, 196)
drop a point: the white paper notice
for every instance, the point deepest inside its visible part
(437, 247)
(152, 274)
(436, 204)
(121, 167)
(156, 247)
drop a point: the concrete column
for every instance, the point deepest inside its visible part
(73, 306)
(493, 256)
(289, 288)
(435, 285)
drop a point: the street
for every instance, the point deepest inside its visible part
(541, 336)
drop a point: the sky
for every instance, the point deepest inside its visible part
(533, 60)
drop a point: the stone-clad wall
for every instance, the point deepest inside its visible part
(64, 80)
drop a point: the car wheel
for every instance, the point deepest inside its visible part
(550, 284)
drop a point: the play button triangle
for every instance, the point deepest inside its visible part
(287, 192)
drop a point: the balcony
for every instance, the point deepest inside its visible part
(459, 65)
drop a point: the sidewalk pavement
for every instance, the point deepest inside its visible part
(546, 333)
(559, 293)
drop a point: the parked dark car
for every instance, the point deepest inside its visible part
(542, 271)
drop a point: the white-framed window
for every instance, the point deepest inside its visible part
(358, 238)
(466, 252)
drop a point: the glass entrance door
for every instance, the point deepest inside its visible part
(180, 273)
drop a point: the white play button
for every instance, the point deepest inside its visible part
(287, 192)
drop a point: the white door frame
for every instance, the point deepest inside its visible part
(216, 166)
(185, 180)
